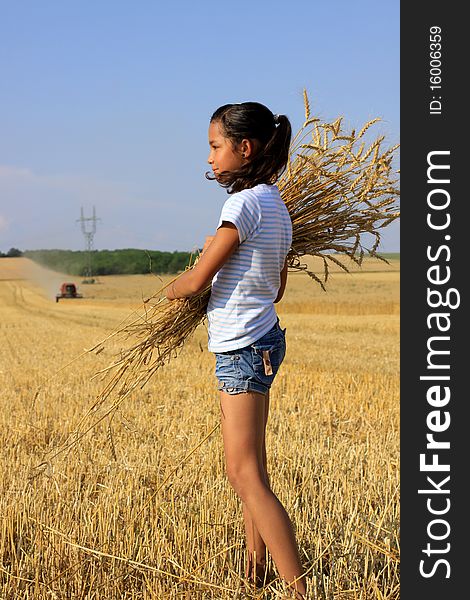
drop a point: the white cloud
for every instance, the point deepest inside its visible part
(3, 223)
(7, 172)
(84, 189)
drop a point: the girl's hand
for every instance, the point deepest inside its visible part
(169, 292)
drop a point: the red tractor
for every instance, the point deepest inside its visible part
(68, 290)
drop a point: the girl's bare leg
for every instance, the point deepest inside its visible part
(255, 546)
(243, 422)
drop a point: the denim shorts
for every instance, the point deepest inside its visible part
(252, 368)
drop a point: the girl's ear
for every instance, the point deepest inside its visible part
(247, 148)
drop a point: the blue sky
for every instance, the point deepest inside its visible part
(107, 103)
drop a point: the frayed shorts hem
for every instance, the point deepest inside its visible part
(251, 386)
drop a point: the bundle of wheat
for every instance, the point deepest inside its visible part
(335, 188)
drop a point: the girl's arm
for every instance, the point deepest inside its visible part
(282, 287)
(192, 282)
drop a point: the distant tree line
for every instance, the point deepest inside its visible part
(116, 262)
(12, 253)
(111, 262)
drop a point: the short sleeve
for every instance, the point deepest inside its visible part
(243, 210)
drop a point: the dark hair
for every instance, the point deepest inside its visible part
(254, 121)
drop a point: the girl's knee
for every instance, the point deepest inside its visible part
(245, 479)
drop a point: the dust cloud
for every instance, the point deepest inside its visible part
(24, 268)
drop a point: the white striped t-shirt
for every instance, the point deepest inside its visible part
(241, 308)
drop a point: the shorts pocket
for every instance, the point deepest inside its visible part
(267, 358)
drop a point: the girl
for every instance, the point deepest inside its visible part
(246, 262)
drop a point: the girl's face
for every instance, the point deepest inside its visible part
(224, 156)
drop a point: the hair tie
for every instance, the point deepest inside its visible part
(276, 119)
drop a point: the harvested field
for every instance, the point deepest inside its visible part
(140, 507)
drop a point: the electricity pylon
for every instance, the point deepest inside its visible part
(88, 233)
